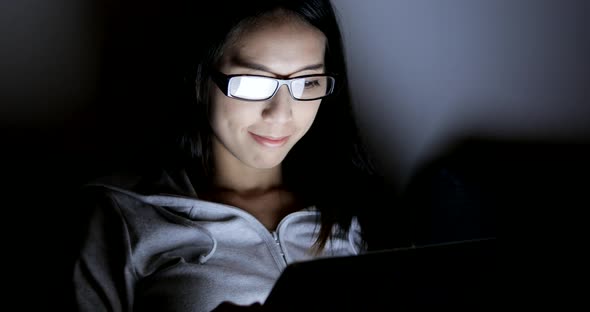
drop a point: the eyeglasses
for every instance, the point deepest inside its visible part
(261, 88)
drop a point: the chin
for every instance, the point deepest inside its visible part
(267, 166)
(267, 163)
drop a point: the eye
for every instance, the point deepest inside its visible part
(312, 83)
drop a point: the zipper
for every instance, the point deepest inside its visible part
(275, 235)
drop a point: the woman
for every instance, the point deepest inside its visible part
(272, 170)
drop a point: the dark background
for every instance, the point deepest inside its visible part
(485, 137)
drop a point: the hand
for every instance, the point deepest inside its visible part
(228, 306)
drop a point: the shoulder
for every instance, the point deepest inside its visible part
(100, 195)
(153, 182)
(116, 195)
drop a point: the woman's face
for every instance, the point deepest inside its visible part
(259, 134)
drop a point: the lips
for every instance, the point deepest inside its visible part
(270, 141)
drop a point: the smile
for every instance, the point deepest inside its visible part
(270, 141)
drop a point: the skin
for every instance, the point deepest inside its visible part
(249, 173)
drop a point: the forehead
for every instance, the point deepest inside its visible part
(280, 42)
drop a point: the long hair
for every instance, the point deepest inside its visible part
(329, 166)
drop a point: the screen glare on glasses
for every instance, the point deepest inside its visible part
(260, 88)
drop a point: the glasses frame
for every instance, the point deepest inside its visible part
(222, 81)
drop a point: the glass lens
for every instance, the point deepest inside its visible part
(252, 88)
(311, 87)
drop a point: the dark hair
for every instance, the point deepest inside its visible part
(328, 167)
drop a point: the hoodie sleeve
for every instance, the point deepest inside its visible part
(104, 275)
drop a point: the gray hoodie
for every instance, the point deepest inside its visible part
(162, 252)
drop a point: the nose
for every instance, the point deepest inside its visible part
(279, 108)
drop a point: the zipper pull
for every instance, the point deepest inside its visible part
(276, 238)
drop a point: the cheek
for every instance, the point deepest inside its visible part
(222, 113)
(216, 114)
(227, 114)
(307, 115)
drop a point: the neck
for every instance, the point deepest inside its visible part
(247, 180)
(232, 175)
(260, 192)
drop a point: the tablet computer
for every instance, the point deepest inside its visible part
(450, 275)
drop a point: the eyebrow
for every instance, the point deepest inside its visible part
(246, 64)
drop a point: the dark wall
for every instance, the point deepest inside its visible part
(77, 102)
(429, 73)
